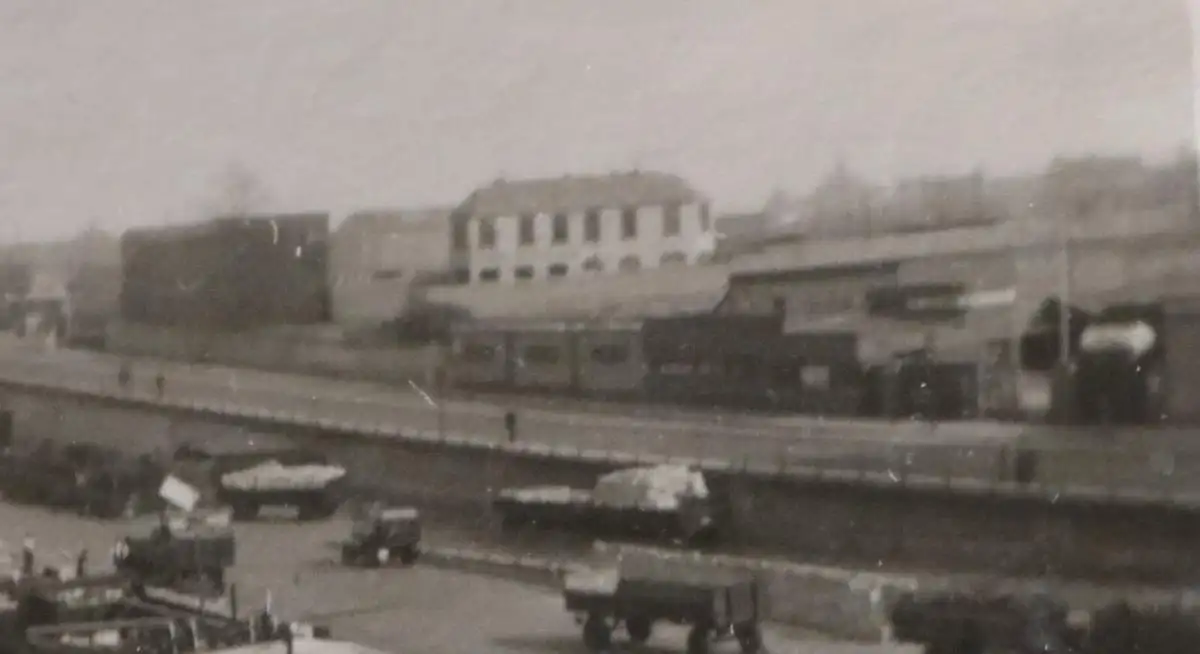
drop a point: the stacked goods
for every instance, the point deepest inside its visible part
(554, 494)
(662, 503)
(657, 488)
(597, 582)
(274, 476)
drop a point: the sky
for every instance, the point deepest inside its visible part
(132, 112)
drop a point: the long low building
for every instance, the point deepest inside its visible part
(991, 279)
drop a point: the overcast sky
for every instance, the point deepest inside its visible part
(128, 111)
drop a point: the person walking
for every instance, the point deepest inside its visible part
(81, 562)
(160, 383)
(27, 558)
(125, 375)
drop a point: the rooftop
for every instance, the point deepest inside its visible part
(391, 220)
(577, 193)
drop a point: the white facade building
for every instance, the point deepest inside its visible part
(516, 231)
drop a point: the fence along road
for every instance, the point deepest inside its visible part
(1160, 462)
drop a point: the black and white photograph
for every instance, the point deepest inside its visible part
(553, 327)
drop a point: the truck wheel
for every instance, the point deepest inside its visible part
(639, 629)
(698, 640)
(244, 511)
(597, 637)
(749, 638)
(409, 554)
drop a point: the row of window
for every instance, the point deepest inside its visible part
(591, 265)
(560, 227)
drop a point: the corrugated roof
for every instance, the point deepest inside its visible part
(578, 193)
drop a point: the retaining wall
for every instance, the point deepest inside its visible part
(276, 351)
(864, 519)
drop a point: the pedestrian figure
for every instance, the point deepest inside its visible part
(27, 560)
(510, 426)
(125, 375)
(160, 383)
(81, 562)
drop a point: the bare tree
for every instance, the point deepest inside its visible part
(238, 192)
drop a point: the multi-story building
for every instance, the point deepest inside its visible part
(378, 258)
(516, 231)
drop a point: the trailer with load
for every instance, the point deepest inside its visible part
(383, 535)
(716, 607)
(189, 552)
(667, 503)
(256, 475)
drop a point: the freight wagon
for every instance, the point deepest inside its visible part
(723, 361)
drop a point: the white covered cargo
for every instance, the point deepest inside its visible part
(274, 476)
(658, 487)
(599, 581)
(545, 494)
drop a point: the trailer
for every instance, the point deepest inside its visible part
(714, 609)
(620, 506)
(250, 476)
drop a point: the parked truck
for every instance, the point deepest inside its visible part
(659, 503)
(258, 475)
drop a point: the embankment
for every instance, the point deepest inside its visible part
(299, 351)
(876, 520)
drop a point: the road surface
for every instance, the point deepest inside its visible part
(917, 448)
(421, 609)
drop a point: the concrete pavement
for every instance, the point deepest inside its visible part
(420, 609)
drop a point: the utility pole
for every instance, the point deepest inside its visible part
(1064, 314)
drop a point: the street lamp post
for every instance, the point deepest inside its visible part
(1064, 314)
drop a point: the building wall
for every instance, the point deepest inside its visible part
(654, 292)
(375, 262)
(807, 298)
(693, 243)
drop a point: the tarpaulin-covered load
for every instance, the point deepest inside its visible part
(659, 487)
(555, 494)
(275, 476)
(666, 502)
(601, 582)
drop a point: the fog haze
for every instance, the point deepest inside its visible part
(129, 112)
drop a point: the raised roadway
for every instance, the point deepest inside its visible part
(961, 449)
(420, 609)
(1162, 462)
